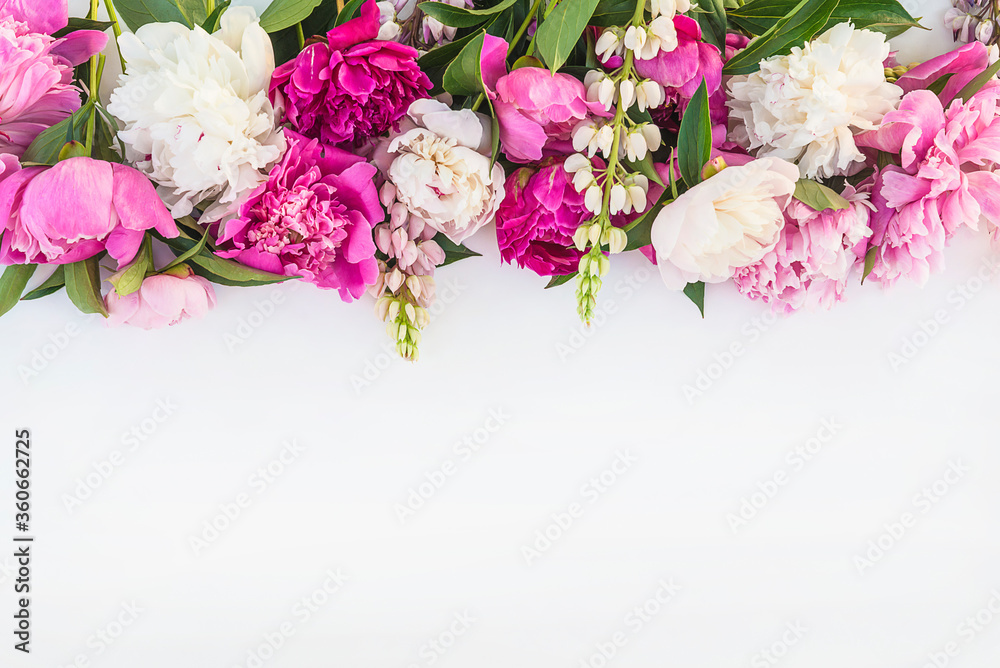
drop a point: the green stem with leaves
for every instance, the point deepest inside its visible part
(116, 27)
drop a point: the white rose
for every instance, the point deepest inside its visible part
(440, 165)
(726, 222)
(808, 105)
(195, 109)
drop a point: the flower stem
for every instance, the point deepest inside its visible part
(301, 36)
(209, 6)
(524, 26)
(116, 27)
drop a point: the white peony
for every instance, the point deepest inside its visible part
(726, 222)
(807, 106)
(195, 109)
(439, 164)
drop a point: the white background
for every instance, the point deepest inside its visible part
(239, 384)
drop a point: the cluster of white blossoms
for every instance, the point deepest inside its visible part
(807, 106)
(644, 41)
(197, 119)
(627, 195)
(635, 141)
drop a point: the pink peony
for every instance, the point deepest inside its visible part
(945, 179)
(312, 218)
(681, 71)
(812, 260)
(350, 87)
(41, 16)
(76, 209)
(963, 65)
(162, 300)
(536, 110)
(36, 80)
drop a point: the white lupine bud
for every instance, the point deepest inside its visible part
(606, 94)
(662, 37)
(608, 44)
(626, 93)
(605, 140)
(649, 95)
(415, 286)
(595, 234)
(651, 133)
(393, 309)
(594, 269)
(605, 264)
(617, 240)
(411, 313)
(583, 179)
(382, 308)
(395, 279)
(635, 146)
(580, 237)
(618, 199)
(583, 135)
(576, 163)
(593, 199)
(635, 39)
(637, 198)
(387, 194)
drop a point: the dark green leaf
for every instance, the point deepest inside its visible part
(137, 13)
(83, 285)
(694, 140)
(800, 25)
(282, 14)
(460, 17)
(12, 283)
(211, 23)
(446, 53)
(818, 197)
(193, 11)
(713, 23)
(82, 24)
(286, 44)
(560, 280)
(453, 252)
(350, 9)
(640, 229)
(696, 293)
(220, 270)
(46, 147)
(322, 20)
(885, 16)
(977, 84)
(646, 168)
(613, 13)
(463, 76)
(559, 33)
(939, 84)
(190, 253)
(130, 279)
(53, 283)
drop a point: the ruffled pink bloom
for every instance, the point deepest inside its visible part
(312, 218)
(350, 87)
(812, 260)
(76, 209)
(42, 16)
(963, 64)
(162, 300)
(945, 179)
(536, 110)
(36, 80)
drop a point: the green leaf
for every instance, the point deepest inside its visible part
(818, 197)
(977, 84)
(870, 258)
(560, 280)
(646, 168)
(453, 252)
(712, 20)
(83, 285)
(446, 53)
(613, 13)
(52, 284)
(282, 14)
(45, 149)
(130, 279)
(494, 136)
(798, 27)
(462, 77)
(640, 229)
(137, 13)
(322, 20)
(190, 253)
(12, 283)
(696, 293)
(460, 17)
(82, 24)
(211, 23)
(694, 140)
(193, 11)
(350, 9)
(73, 149)
(220, 270)
(885, 16)
(559, 33)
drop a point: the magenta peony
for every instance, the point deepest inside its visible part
(162, 300)
(350, 87)
(312, 218)
(76, 209)
(945, 179)
(36, 74)
(41, 16)
(812, 260)
(961, 66)
(536, 110)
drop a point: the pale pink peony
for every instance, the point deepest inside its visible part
(42, 16)
(76, 209)
(812, 260)
(536, 110)
(945, 179)
(312, 218)
(162, 300)
(36, 80)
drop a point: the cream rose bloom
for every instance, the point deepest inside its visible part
(807, 106)
(726, 222)
(439, 163)
(195, 109)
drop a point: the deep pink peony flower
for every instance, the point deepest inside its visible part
(963, 65)
(945, 179)
(312, 218)
(42, 16)
(76, 209)
(350, 87)
(36, 80)
(812, 260)
(536, 110)
(162, 300)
